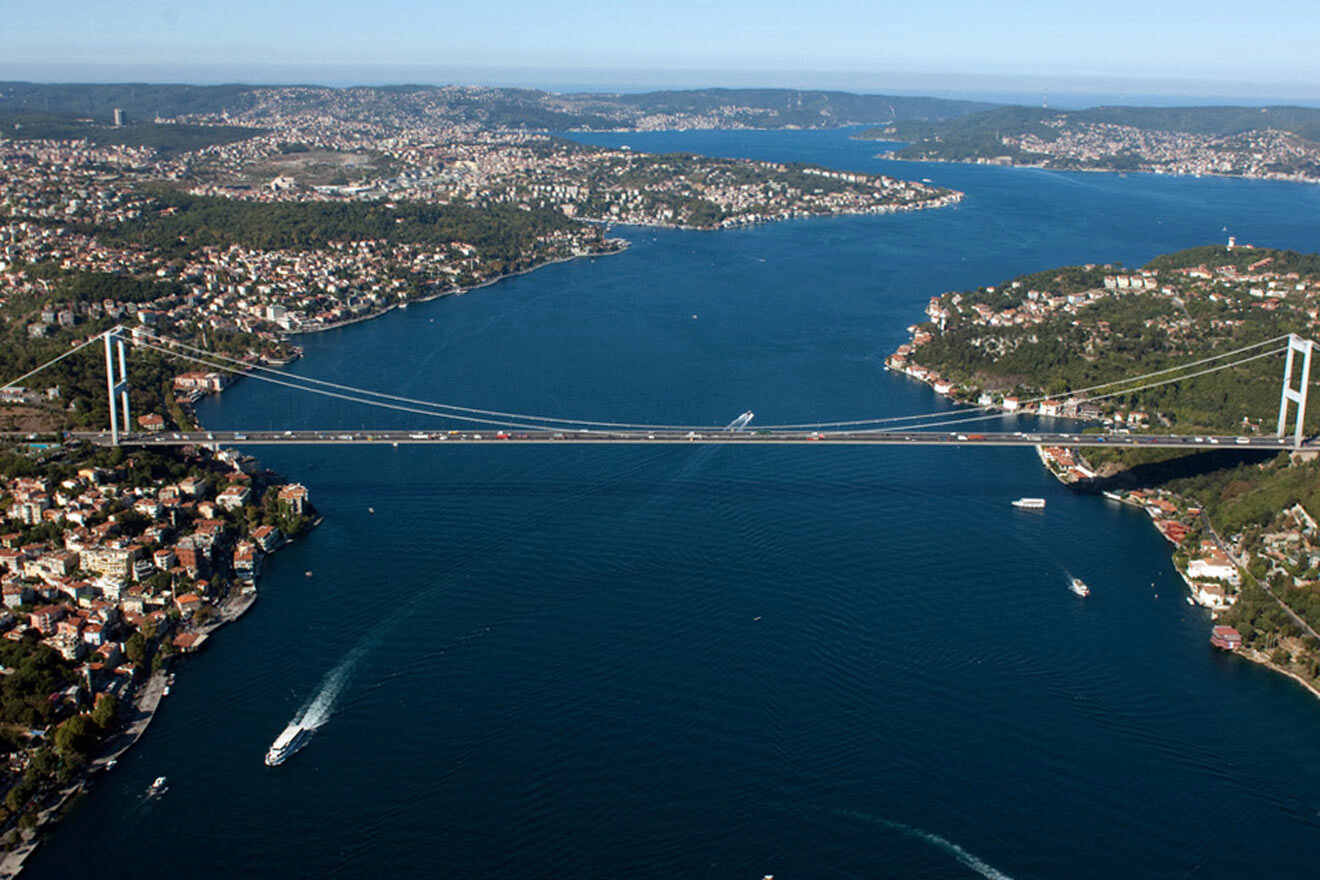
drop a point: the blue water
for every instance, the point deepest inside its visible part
(709, 662)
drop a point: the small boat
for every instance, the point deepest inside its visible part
(157, 787)
(290, 740)
(1078, 586)
(166, 692)
(1030, 503)
(1189, 600)
(112, 763)
(371, 510)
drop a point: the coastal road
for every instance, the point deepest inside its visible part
(708, 436)
(1264, 583)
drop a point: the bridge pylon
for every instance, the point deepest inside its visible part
(1296, 344)
(116, 381)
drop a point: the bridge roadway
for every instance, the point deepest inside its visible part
(882, 438)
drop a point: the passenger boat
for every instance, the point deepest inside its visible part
(293, 738)
(1078, 586)
(1030, 503)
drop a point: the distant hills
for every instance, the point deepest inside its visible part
(166, 138)
(516, 108)
(1210, 121)
(1240, 141)
(790, 107)
(139, 101)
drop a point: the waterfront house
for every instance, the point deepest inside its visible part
(189, 641)
(199, 381)
(267, 538)
(295, 495)
(1214, 566)
(1226, 637)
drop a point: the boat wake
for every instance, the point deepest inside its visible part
(964, 858)
(317, 711)
(968, 860)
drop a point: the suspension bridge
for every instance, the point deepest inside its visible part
(467, 425)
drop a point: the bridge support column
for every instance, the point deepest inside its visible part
(116, 382)
(1298, 396)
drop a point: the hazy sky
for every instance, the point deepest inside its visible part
(1266, 41)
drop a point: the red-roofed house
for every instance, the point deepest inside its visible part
(295, 495)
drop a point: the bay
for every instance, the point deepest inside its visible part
(710, 662)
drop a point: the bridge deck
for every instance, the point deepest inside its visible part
(891, 438)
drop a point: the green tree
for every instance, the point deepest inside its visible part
(105, 711)
(76, 737)
(136, 648)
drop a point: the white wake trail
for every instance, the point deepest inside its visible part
(965, 858)
(317, 711)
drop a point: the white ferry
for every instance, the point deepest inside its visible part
(1078, 586)
(1030, 503)
(293, 738)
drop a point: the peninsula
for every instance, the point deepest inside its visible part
(1241, 523)
(1277, 143)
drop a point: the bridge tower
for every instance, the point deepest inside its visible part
(117, 382)
(1298, 396)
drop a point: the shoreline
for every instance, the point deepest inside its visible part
(1257, 657)
(1043, 167)
(146, 702)
(952, 197)
(624, 245)
(149, 695)
(1250, 654)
